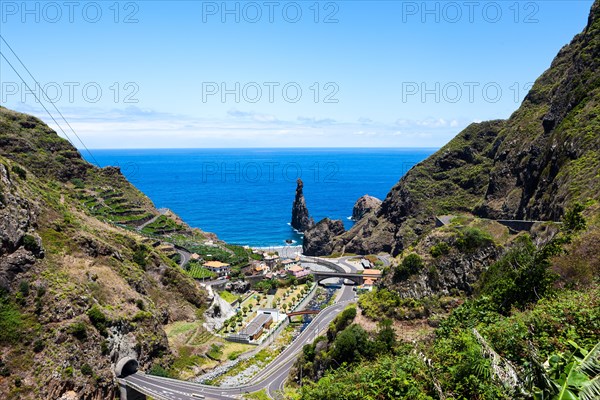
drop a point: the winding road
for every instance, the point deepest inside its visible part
(272, 378)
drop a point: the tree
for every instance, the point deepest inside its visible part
(386, 337)
(245, 310)
(350, 344)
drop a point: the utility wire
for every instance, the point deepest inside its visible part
(46, 96)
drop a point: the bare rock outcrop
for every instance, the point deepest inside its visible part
(318, 240)
(365, 205)
(301, 220)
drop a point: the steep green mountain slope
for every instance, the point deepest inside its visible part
(471, 309)
(541, 160)
(80, 287)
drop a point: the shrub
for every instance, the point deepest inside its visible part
(38, 346)
(158, 370)
(86, 369)
(412, 264)
(471, 239)
(4, 370)
(573, 220)
(439, 249)
(142, 315)
(520, 277)
(24, 288)
(104, 347)
(78, 183)
(21, 173)
(97, 318)
(78, 330)
(30, 243)
(139, 256)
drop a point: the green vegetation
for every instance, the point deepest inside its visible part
(140, 255)
(572, 375)
(86, 369)
(381, 304)
(228, 296)
(439, 249)
(162, 225)
(98, 319)
(410, 265)
(78, 330)
(523, 275)
(401, 377)
(260, 395)
(197, 271)
(20, 172)
(215, 352)
(11, 321)
(471, 239)
(520, 337)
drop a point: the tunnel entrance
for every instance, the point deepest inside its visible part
(126, 366)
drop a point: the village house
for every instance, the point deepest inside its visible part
(298, 271)
(288, 262)
(218, 267)
(257, 326)
(271, 260)
(261, 268)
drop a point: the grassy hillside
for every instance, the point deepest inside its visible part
(533, 166)
(80, 287)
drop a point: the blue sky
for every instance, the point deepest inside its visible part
(153, 74)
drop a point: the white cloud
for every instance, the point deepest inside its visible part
(134, 127)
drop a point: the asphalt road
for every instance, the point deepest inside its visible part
(272, 378)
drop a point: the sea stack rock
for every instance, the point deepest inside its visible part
(364, 205)
(318, 241)
(300, 218)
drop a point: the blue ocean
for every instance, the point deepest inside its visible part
(245, 195)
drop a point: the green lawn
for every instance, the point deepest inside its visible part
(228, 296)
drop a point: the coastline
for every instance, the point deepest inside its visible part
(283, 251)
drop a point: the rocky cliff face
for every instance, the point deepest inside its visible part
(318, 239)
(301, 220)
(20, 246)
(365, 205)
(544, 158)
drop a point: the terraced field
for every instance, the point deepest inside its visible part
(113, 206)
